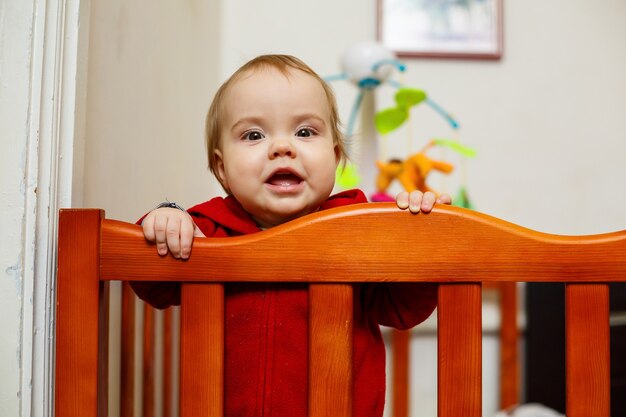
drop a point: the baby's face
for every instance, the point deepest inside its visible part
(277, 156)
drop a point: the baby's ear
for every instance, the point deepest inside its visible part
(338, 154)
(219, 168)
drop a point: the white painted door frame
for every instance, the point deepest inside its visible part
(57, 38)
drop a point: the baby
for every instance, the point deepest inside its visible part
(274, 144)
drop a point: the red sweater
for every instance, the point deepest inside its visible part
(267, 326)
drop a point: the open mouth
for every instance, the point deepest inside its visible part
(284, 179)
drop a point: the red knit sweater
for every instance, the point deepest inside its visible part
(267, 327)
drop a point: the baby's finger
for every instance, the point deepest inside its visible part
(415, 201)
(160, 230)
(444, 199)
(428, 201)
(402, 200)
(186, 237)
(148, 228)
(173, 236)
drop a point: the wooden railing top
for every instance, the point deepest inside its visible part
(450, 244)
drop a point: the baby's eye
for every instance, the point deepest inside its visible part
(253, 135)
(305, 132)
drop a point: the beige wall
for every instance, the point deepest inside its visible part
(152, 72)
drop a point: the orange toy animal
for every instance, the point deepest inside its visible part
(412, 172)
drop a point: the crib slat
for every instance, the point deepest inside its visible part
(127, 383)
(149, 361)
(509, 352)
(202, 350)
(330, 350)
(459, 338)
(168, 365)
(400, 343)
(587, 350)
(103, 351)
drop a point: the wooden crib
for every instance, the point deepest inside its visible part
(458, 248)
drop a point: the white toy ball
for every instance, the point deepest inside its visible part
(368, 64)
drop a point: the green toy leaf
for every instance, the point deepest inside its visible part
(390, 119)
(456, 146)
(462, 199)
(407, 97)
(347, 176)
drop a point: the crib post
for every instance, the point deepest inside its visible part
(587, 350)
(459, 338)
(80, 372)
(330, 349)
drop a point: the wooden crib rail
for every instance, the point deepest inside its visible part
(362, 243)
(451, 244)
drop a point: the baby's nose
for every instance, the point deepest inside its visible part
(282, 147)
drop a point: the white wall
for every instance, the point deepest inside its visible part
(14, 107)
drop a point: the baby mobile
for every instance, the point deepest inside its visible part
(368, 65)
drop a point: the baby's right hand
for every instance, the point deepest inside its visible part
(171, 229)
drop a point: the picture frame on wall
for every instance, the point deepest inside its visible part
(455, 29)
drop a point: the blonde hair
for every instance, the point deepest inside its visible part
(283, 63)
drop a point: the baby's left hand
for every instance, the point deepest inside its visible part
(417, 201)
